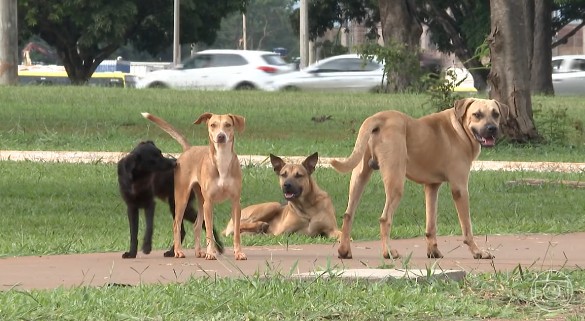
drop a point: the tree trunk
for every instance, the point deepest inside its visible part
(541, 71)
(399, 25)
(8, 43)
(510, 45)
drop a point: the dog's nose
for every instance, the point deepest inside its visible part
(221, 138)
(491, 129)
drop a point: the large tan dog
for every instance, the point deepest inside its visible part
(430, 150)
(309, 210)
(213, 172)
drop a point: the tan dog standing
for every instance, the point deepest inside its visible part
(430, 150)
(309, 210)
(213, 172)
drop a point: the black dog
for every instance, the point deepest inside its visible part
(143, 174)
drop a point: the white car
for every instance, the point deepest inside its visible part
(568, 74)
(339, 73)
(219, 70)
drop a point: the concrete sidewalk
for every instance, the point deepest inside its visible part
(536, 252)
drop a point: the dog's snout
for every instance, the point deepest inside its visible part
(286, 186)
(491, 129)
(221, 138)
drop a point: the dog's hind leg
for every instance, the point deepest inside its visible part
(133, 223)
(359, 178)
(149, 218)
(431, 198)
(393, 173)
(181, 201)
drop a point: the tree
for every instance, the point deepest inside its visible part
(268, 27)
(541, 68)
(400, 25)
(85, 32)
(459, 27)
(510, 43)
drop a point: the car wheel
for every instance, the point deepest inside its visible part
(245, 86)
(157, 85)
(291, 88)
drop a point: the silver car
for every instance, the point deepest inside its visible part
(220, 69)
(569, 74)
(339, 73)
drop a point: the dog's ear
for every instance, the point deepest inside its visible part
(277, 163)
(311, 162)
(239, 122)
(203, 118)
(504, 111)
(461, 106)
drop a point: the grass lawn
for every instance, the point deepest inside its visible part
(50, 208)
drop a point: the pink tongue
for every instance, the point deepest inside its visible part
(490, 141)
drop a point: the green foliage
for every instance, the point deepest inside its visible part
(84, 33)
(442, 93)
(558, 127)
(401, 64)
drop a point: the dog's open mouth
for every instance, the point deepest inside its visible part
(289, 196)
(486, 141)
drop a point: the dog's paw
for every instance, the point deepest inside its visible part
(146, 249)
(393, 254)
(240, 256)
(483, 255)
(128, 255)
(179, 254)
(169, 253)
(434, 254)
(344, 253)
(210, 256)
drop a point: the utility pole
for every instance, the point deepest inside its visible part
(8, 43)
(244, 32)
(176, 38)
(304, 34)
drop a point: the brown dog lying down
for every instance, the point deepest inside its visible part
(309, 210)
(144, 174)
(430, 150)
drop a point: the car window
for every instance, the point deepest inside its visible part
(227, 60)
(556, 65)
(348, 64)
(578, 65)
(198, 61)
(274, 60)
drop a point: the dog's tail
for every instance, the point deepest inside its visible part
(169, 129)
(369, 127)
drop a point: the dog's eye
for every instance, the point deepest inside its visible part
(478, 115)
(213, 125)
(228, 125)
(298, 175)
(495, 114)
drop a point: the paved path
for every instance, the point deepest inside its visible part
(540, 252)
(537, 252)
(113, 157)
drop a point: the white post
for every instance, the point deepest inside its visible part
(244, 32)
(176, 38)
(304, 34)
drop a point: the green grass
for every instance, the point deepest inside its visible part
(50, 208)
(108, 119)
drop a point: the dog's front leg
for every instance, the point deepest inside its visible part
(461, 198)
(211, 252)
(236, 217)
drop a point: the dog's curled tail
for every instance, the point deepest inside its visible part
(370, 126)
(169, 129)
